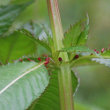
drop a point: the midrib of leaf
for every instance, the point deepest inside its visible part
(19, 77)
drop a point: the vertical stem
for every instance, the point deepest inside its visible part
(65, 88)
(55, 23)
(64, 76)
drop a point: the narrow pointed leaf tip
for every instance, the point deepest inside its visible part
(84, 34)
(21, 84)
(76, 35)
(72, 34)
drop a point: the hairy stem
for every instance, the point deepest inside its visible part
(65, 84)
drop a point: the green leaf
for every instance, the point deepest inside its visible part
(41, 32)
(32, 27)
(85, 60)
(6, 2)
(77, 49)
(37, 40)
(8, 14)
(75, 82)
(76, 35)
(71, 36)
(84, 34)
(50, 98)
(21, 84)
(15, 46)
(106, 53)
(42, 46)
(19, 1)
(102, 58)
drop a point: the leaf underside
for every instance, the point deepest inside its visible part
(103, 58)
(24, 91)
(106, 62)
(50, 98)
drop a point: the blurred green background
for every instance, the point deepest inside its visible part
(94, 87)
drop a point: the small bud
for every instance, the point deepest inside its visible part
(20, 60)
(28, 59)
(76, 56)
(97, 52)
(46, 62)
(102, 50)
(47, 59)
(60, 59)
(39, 59)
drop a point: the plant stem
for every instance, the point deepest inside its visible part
(64, 76)
(55, 23)
(65, 88)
